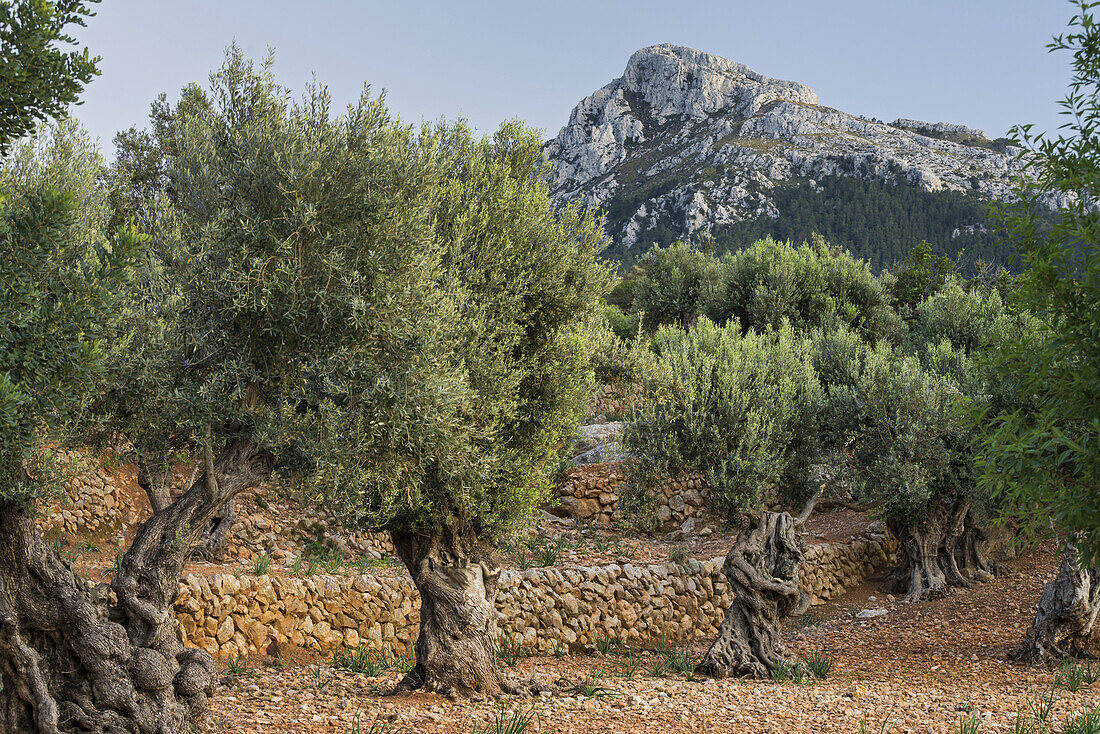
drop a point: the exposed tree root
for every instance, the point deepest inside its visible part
(74, 660)
(947, 550)
(1066, 616)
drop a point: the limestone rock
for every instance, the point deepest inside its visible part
(708, 140)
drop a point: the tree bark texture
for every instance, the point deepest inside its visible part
(762, 570)
(1067, 614)
(457, 577)
(106, 660)
(948, 549)
(215, 539)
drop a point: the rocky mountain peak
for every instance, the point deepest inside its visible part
(678, 81)
(685, 141)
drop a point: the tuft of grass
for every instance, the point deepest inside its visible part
(682, 662)
(659, 668)
(333, 564)
(630, 666)
(56, 542)
(1041, 707)
(362, 660)
(559, 649)
(318, 679)
(88, 546)
(1085, 723)
(626, 555)
(548, 554)
(1028, 725)
(239, 666)
(510, 651)
(590, 687)
(262, 564)
(610, 644)
(518, 722)
(663, 645)
(116, 565)
(795, 673)
(820, 664)
(1074, 675)
(865, 726)
(969, 723)
(678, 555)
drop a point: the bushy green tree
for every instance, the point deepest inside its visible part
(894, 427)
(624, 361)
(1041, 445)
(671, 285)
(920, 275)
(970, 320)
(61, 288)
(740, 408)
(39, 80)
(811, 285)
(393, 317)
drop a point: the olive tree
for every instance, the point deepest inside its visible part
(390, 319)
(1039, 442)
(903, 449)
(381, 318)
(740, 408)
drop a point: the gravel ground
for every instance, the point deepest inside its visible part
(918, 668)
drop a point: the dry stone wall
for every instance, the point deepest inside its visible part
(613, 400)
(92, 501)
(591, 492)
(543, 609)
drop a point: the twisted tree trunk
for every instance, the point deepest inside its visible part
(215, 538)
(73, 659)
(457, 576)
(947, 549)
(762, 569)
(1068, 610)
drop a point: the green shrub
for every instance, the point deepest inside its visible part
(809, 286)
(969, 319)
(741, 409)
(616, 360)
(624, 324)
(894, 425)
(672, 284)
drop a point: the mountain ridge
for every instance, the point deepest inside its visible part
(686, 143)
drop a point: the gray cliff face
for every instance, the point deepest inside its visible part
(698, 140)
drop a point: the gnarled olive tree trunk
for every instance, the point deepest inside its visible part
(72, 659)
(1068, 611)
(457, 576)
(762, 569)
(215, 538)
(947, 549)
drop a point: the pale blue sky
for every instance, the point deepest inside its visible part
(978, 62)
